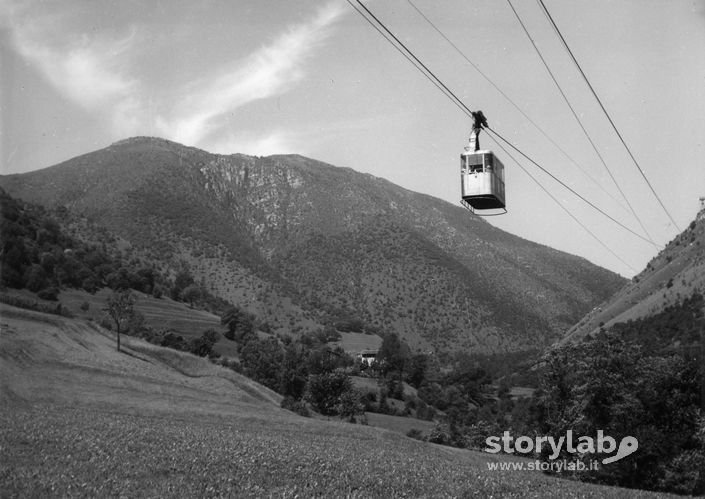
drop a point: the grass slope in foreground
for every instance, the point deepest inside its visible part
(80, 419)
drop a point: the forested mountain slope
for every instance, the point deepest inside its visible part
(300, 243)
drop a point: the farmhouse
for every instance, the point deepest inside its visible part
(367, 356)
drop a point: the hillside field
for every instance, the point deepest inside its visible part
(357, 342)
(80, 419)
(160, 314)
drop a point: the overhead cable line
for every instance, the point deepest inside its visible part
(557, 201)
(516, 106)
(449, 93)
(433, 79)
(580, 122)
(609, 118)
(489, 129)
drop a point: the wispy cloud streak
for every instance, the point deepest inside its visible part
(272, 70)
(96, 72)
(85, 69)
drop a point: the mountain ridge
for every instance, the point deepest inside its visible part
(673, 276)
(301, 241)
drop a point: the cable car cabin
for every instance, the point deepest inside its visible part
(482, 181)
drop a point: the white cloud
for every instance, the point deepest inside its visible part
(95, 71)
(273, 142)
(85, 69)
(272, 70)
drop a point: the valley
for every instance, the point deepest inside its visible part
(250, 291)
(348, 249)
(154, 422)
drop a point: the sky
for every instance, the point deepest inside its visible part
(313, 78)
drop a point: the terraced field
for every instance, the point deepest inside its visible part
(162, 313)
(79, 419)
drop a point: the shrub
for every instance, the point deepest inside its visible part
(203, 346)
(50, 294)
(173, 340)
(90, 284)
(331, 334)
(35, 278)
(324, 391)
(231, 364)
(369, 400)
(61, 310)
(297, 406)
(21, 302)
(440, 435)
(416, 434)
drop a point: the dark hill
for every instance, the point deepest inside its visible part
(300, 242)
(673, 278)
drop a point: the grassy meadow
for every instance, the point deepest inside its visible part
(80, 419)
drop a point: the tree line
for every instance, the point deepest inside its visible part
(38, 255)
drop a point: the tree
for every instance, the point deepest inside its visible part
(148, 276)
(293, 372)
(611, 384)
(120, 309)
(324, 391)
(240, 324)
(392, 354)
(203, 346)
(118, 280)
(181, 281)
(350, 404)
(35, 277)
(191, 294)
(417, 370)
(261, 360)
